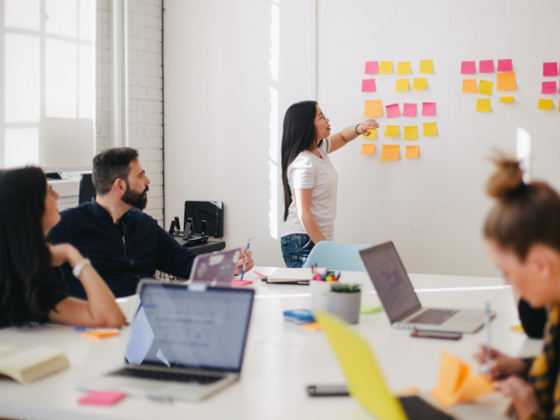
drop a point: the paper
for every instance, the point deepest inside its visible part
(469, 85)
(412, 152)
(505, 81)
(517, 328)
(486, 66)
(506, 99)
(485, 87)
(409, 110)
(390, 152)
(550, 69)
(391, 131)
(386, 67)
(428, 109)
(403, 68)
(312, 326)
(99, 334)
(411, 132)
(393, 111)
(430, 129)
(468, 67)
(371, 136)
(426, 66)
(483, 105)
(102, 397)
(545, 104)
(420, 83)
(370, 309)
(402, 85)
(368, 85)
(236, 282)
(372, 67)
(368, 149)
(549, 87)
(505, 65)
(374, 108)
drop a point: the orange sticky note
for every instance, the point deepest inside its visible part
(402, 85)
(374, 108)
(505, 81)
(411, 132)
(485, 87)
(385, 67)
(312, 326)
(430, 129)
(390, 152)
(392, 131)
(545, 104)
(426, 66)
(99, 334)
(469, 85)
(368, 149)
(371, 136)
(483, 105)
(412, 152)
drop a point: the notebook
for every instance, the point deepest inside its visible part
(29, 365)
(293, 275)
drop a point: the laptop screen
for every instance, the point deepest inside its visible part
(390, 280)
(200, 328)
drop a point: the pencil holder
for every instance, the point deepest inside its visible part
(319, 293)
(345, 305)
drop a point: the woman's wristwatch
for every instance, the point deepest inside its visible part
(77, 271)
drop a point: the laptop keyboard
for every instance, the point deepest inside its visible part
(433, 316)
(418, 409)
(166, 376)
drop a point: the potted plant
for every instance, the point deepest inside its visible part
(344, 301)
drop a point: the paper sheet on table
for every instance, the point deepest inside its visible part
(549, 87)
(402, 85)
(391, 131)
(486, 66)
(373, 108)
(420, 83)
(468, 67)
(390, 152)
(426, 66)
(506, 99)
(371, 136)
(485, 87)
(393, 111)
(368, 149)
(469, 85)
(428, 109)
(372, 67)
(411, 132)
(505, 65)
(409, 110)
(483, 105)
(368, 85)
(403, 68)
(505, 81)
(386, 67)
(412, 152)
(545, 104)
(430, 129)
(550, 69)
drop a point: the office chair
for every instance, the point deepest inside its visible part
(336, 256)
(87, 191)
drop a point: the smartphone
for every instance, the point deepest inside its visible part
(445, 335)
(327, 391)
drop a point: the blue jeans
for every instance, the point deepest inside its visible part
(295, 249)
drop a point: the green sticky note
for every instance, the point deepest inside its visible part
(370, 309)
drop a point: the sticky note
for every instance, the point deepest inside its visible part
(485, 87)
(483, 105)
(545, 104)
(506, 99)
(549, 87)
(374, 108)
(409, 110)
(403, 68)
(420, 83)
(371, 136)
(486, 66)
(312, 326)
(241, 282)
(505, 81)
(402, 85)
(430, 129)
(391, 131)
(368, 149)
(550, 69)
(102, 397)
(469, 85)
(428, 109)
(505, 65)
(368, 85)
(370, 309)
(517, 328)
(468, 67)
(390, 152)
(393, 111)
(372, 67)
(426, 66)
(411, 132)
(386, 67)
(99, 334)
(412, 152)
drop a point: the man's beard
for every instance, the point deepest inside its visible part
(135, 199)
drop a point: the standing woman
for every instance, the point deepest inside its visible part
(31, 287)
(309, 178)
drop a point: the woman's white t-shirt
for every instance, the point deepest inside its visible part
(309, 171)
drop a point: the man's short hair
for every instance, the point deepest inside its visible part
(110, 165)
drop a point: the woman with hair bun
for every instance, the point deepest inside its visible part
(522, 235)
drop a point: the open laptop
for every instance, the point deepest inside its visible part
(364, 379)
(400, 301)
(217, 268)
(184, 343)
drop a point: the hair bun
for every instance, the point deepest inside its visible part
(507, 179)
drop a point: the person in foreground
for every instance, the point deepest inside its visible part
(124, 244)
(31, 288)
(522, 234)
(309, 178)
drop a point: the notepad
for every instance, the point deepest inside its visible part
(402, 85)
(101, 398)
(293, 275)
(428, 109)
(409, 110)
(426, 66)
(372, 67)
(412, 152)
(549, 87)
(391, 131)
(99, 334)
(371, 136)
(373, 108)
(506, 99)
(393, 111)
(368, 149)
(420, 83)
(505, 65)
(368, 85)
(486, 66)
(390, 152)
(469, 85)
(411, 132)
(468, 67)
(545, 104)
(485, 87)
(430, 129)
(505, 81)
(403, 68)
(29, 365)
(550, 69)
(386, 67)
(483, 105)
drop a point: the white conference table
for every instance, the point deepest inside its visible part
(281, 359)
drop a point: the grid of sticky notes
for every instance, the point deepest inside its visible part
(504, 81)
(405, 81)
(548, 86)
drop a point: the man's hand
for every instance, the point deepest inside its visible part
(247, 258)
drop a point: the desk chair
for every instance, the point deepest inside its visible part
(87, 191)
(336, 256)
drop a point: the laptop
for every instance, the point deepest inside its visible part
(216, 268)
(364, 379)
(185, 343)
(400, 301)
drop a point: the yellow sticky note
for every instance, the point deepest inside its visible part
(390, 152)
(430, 129)
(371, 136)
(368, 149)
(517, 328)
(402, 85)
(392, 131)
(483, 105)
(411, 133)
(420, 83)
(412, 152)
(386, 67)
(403, 68)
(485, 87)
(506, 99)
(469, 85)
(426, 66)
(505, 81)
(545, 104)
(374, 108)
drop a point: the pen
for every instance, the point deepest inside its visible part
(487, 315)
(245, 260)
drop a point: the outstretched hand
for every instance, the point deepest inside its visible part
(368, 125)
(247, 258)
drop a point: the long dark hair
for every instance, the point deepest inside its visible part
(29, 287)
(299, 135)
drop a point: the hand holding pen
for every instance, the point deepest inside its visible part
(245, 259)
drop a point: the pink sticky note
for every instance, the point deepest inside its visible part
(102, 397)
(393, 111)
(486, 66)
(241, 282)
(428, 109)
(505, 65)
(368, 85)
(550, 69)
(372, 67)
(549, 87)
(409, 110)
(468, 67)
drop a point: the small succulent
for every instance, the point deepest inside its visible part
(345, 288)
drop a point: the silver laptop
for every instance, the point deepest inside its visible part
(400, 301)
(185, 343)
(216, 268)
